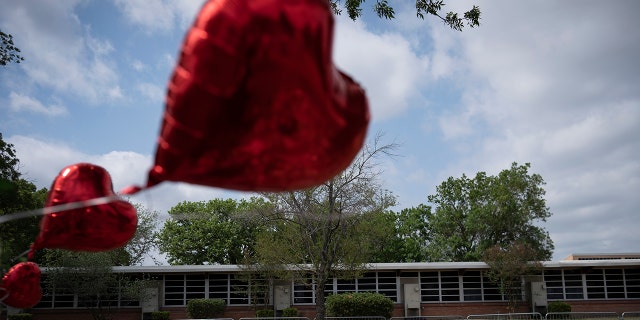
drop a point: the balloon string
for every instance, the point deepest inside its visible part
(14, 260)
(59, 208)
(131, 190)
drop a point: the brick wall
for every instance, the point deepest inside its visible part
(618, 306)
(428, 309)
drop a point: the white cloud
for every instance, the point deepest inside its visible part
(151, 91)
(23, 103)
(138, 65)
(563, 95)
(384, 64)
(159, 15)
(41, 161)
(62, 54)
(151, 14)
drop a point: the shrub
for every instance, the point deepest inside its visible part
(558, 306)
(289, 312)
(359, 304)
(265, 313)
(205, 308)
(160, 315)
(20, 316)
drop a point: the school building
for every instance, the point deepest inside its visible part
(589, 283)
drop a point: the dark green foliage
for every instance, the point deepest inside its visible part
(558, 306)
(290, 312)
(20, 316)
(16, 195)
(205, 308)
(8, 161)
(8, 51)
(265, 313)
(208, 232)
(408, 236)
(160, 315)
(471, 215)
(359, 304)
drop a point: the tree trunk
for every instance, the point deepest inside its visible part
(321, 279)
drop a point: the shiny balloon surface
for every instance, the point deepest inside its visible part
(91, 227)
(20, 287)
(256, 103)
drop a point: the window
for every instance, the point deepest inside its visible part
(614, 281)
(345, 285)
(564, 284)
(230, 287)
(573, 284)
(632, 283)
(472, 286)
(388, 285)
(430, 286)
(303, 291)
(219, 286)
(368, 283)
(440, 286)
(555, 287)
(384, 283)
(490, 290)
(450, 286)
(174, 290)
(62, 298)
(593, 284)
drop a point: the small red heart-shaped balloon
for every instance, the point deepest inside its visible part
(20, 287)
(91, 227)
(256, 103)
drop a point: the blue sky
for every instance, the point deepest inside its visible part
(552, 83)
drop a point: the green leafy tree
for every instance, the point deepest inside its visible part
(8, 162)
(382, 8)
(144, 240)
(16, 195)
(507, 268)
(208, 232)
(408, 238)
(328, 230)
(472, 215)
(8, 51)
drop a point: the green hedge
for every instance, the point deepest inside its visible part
(20, 316)
(205, 308)
(289, 312)
(265, 313)
(558, 306)
(160, 315)
(359, 304)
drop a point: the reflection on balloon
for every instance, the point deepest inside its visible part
(256, 103)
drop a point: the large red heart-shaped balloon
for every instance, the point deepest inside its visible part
(20, 286)
(91, 227)
(256, 103)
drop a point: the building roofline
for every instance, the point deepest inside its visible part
(408, 266)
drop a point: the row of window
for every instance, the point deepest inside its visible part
(592, 284)
(435, 286)
(66, 298)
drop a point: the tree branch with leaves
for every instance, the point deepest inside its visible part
(328, 230)
(383, 9)
(9, 52)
